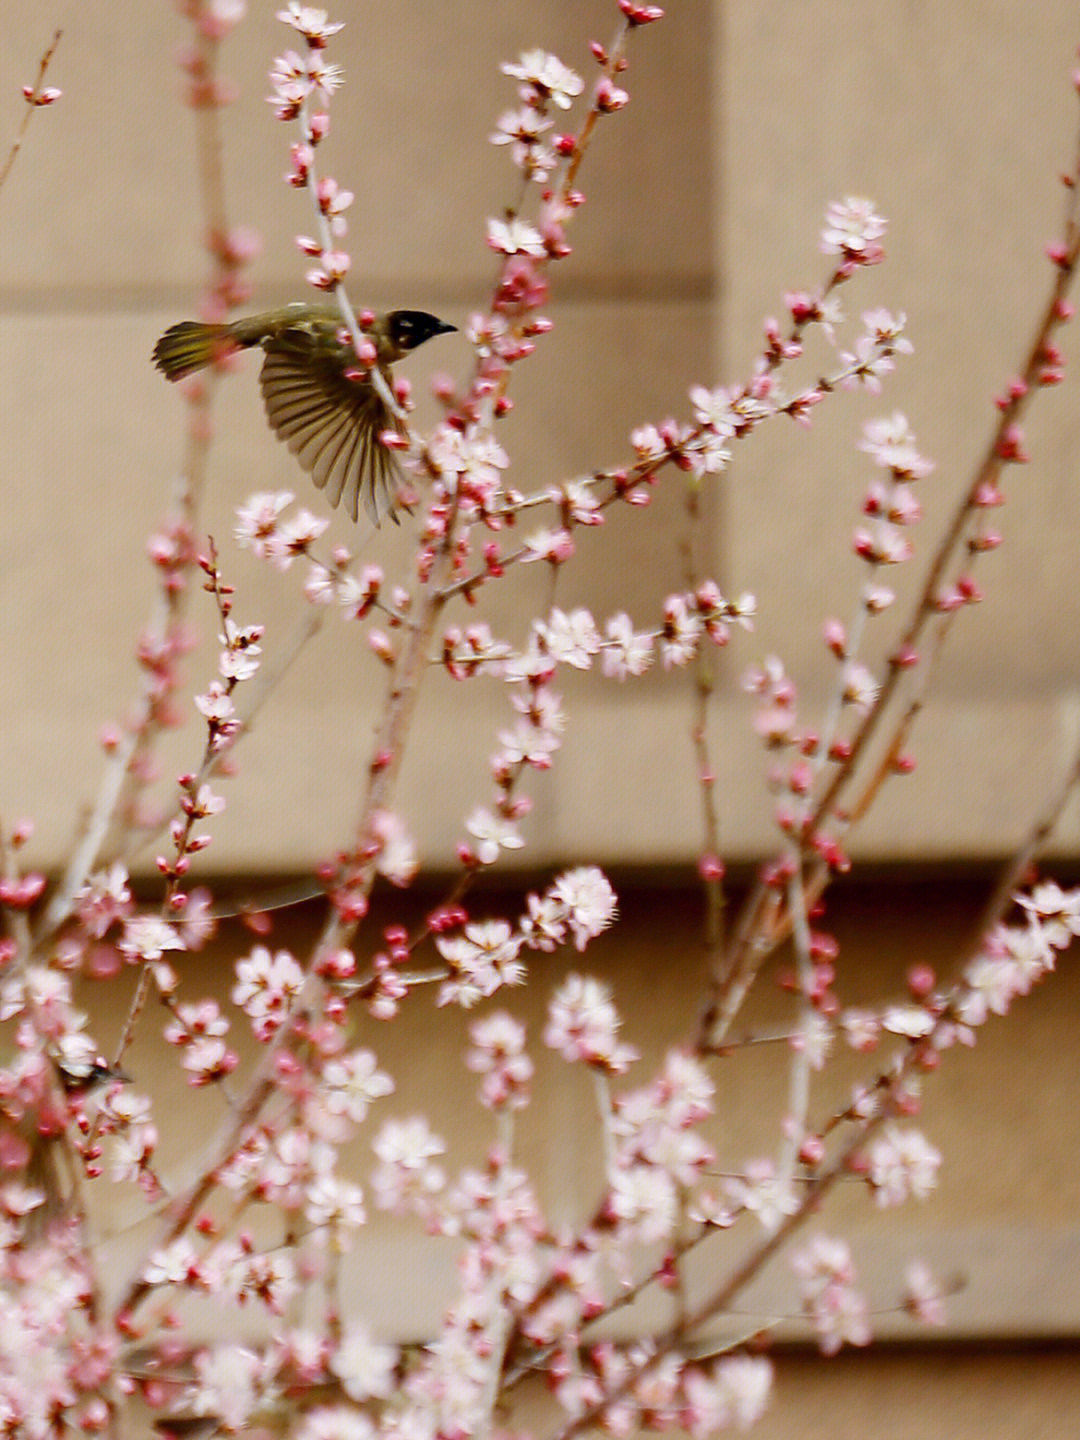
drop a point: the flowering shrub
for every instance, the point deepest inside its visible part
(79, 1345)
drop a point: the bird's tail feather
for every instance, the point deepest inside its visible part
(192, 345)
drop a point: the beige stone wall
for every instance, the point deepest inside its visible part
(705, 199)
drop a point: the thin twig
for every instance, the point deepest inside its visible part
(34, 102)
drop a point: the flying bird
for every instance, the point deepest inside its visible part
(328, 414)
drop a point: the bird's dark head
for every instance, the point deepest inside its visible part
(410, 328)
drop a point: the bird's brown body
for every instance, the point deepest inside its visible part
(330, 419)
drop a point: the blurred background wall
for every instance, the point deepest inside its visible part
(704, 203)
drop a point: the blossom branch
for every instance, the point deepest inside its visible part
(172, 551)
(763, 921)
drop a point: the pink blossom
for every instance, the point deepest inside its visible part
(271, 1278)
(1057, 910)
(325, 80)
(41, 992)
(476, 648)
(352, 1082)
(813, 1039)
(707, 455)
(104, 899)
(609, 97)
(331, 270)
(877, 597)
(625, 651)
(533, 664)
(911, 1021)
(861, 1028)
(1014, 958)
(526, 744)
(147, 937)
(207, 1059)
(498, 1054)
(302, 1351)
(552, 545)
(397, 859)
(902, 1164)
(492, 833)
(887, 331)
(644, 1197)
(293, 537)
(229, 1380)
(522, 129)
(172, 1264)
(223, 16)
(894, 500)
(890, 443)
(544, 925)
(290, 87)
(924, 1295)
(335, 1422)
(470, 463)
(860, 688)
(481, 960)
(321, 586)
(1029, 948)
(764, 1193)
(216, 704)
(682, 632)
(866, 363)
(365, 1368)
(311, 22)
(837, 1309)
(133, 1136)
(716, 409)
(648, 443)
(991, 982)
(332, 1203)
(47, 95)
(131, 1152)
(545, 78)
(735, 1392)
(358, 593)
(882, 543)
(266, 986)
(203, 803)
(590, 902)
(195, 1018)
(195, 924)
(514, 237)
(257, 520)
(583, 1025)
(406, 1150)
(852, 229)
(576, 498)
(543, 707)
(571, 639)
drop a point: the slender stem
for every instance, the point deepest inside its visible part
(798, 1110)
(32, 105)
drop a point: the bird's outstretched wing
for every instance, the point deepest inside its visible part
(330, 423)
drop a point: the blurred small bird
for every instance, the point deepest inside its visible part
(42, 1096)
(330, 420)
